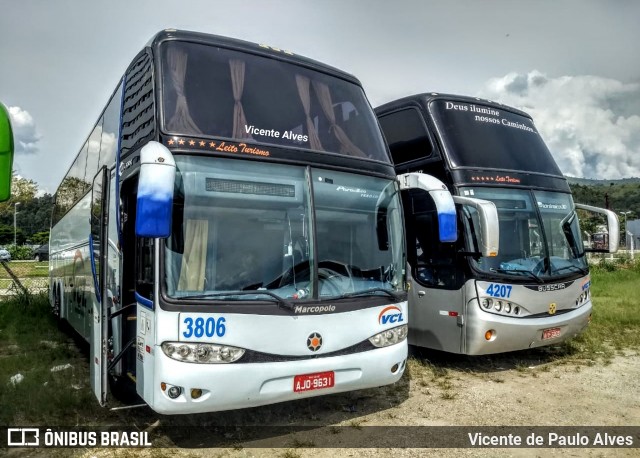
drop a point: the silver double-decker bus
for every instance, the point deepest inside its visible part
(533, 289)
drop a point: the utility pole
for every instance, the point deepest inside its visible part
(15, 227)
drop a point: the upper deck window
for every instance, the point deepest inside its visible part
(406, 135)
(217, 92)
(483, 136)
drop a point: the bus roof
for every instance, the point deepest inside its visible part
(426, 97)
(250, 47)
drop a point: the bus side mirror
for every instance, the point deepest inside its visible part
(6, 154)
(155, 191)
(613, 227)
(489, 226)
(442, 198)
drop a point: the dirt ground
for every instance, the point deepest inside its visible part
(521, 389)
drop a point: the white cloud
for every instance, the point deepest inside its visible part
(25, 134)
(591, 124)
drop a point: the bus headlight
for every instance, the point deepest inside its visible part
(390, 336)
(582, 298)
(502, 307)
(202, 352)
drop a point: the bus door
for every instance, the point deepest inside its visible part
(98, 250)
(436, 295)
(431, 228)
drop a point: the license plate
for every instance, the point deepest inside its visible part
(550, 333)
(308, 382)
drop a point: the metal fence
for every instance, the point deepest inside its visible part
(22, 277)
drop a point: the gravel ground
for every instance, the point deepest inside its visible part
(510, 391)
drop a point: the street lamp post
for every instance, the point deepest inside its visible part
(15, 227)
(625, 226)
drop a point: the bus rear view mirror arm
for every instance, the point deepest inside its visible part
(613, 227)
(445, 206)
(489, 228)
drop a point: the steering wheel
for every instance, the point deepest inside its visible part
(334, 273)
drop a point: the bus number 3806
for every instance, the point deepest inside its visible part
(201, 327)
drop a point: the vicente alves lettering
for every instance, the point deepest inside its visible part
(290, 135)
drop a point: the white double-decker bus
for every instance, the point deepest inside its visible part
(230, 234)
(533, 290)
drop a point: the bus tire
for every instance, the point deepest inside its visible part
(56, 303)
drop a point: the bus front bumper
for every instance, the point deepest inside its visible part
(511, 334)
(237, 385)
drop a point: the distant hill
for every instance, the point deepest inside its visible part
(618, 195)
(592, 182)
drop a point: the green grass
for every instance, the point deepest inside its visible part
(26, 269)
(30, 345)
(616, 311)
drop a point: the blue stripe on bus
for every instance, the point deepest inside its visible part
(144, 301)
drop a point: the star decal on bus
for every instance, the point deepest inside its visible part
(314, 342)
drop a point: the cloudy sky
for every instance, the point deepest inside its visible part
(573, 65)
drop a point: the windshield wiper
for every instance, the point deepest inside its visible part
(368, 292)
(579, 269)
(280, 300)
(523, 271)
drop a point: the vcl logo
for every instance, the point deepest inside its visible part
(391, 314)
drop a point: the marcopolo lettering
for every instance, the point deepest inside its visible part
(314, 309)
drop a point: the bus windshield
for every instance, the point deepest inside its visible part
(242, 227)
(217, 92)
(493, 138)
(539, 234)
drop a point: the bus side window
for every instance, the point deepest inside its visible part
(406, 135)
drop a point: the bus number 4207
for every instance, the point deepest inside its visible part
(498, 290)
(200, 327)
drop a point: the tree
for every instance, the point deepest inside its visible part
(6, 235)
(23, 189)
(40, 238)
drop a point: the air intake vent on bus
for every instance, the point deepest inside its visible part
(250, 187)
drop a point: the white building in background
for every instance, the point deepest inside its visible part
(633, 232)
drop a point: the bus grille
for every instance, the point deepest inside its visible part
(250, 187)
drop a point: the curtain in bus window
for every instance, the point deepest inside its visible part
(181, 119)
(324, 96)
(192, 272)
(237, 82)
(305, 97)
